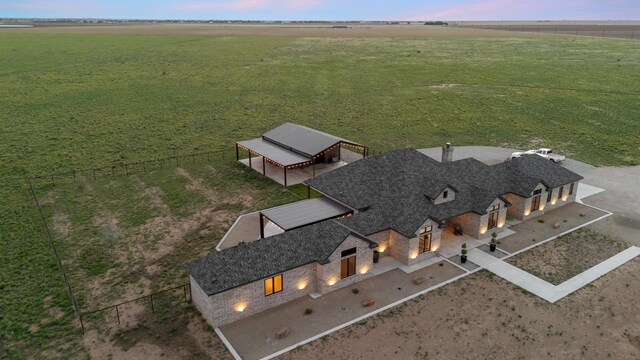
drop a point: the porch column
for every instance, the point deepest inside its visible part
(261, 226)
(249, 151)
(264, 171)
(237, 153)
(340, 152)
(285, 176)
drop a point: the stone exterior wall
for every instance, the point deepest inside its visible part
(476, 225)
(221, 309)
(383, 239)
(451, 195)
(330, 273)
(521, 207)
(405, 250)
(518, 204)
(566, 198)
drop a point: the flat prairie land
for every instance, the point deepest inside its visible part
(312, 30)
(82, 97)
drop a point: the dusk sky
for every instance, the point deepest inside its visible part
(328, 9)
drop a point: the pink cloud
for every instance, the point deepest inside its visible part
(249, 5)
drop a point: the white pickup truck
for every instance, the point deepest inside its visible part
(545, 153)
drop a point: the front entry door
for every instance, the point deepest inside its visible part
(493, 219)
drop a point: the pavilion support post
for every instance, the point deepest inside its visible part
(264, 169)
(237, 152)
(314, 169)
(250, 159)
(261, 226)
(285, 175)
(308, 192)
(340, 152)
(364, 152)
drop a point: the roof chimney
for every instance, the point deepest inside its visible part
(447, 153)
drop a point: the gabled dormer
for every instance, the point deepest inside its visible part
(446, 195)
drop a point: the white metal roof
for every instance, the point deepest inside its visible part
(303, 139)
(274, 152)
(304, 212)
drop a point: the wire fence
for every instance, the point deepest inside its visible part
(95, 173)
(150, 301)
(157, 301)
(81, 315)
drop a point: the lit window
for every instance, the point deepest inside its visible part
(273, 285)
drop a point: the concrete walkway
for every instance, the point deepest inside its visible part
(541, 288)
(586, 190)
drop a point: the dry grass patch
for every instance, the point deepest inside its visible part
(569, 255)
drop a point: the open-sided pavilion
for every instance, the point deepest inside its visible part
(290, 146)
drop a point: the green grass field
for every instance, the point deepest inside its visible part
(76, 101)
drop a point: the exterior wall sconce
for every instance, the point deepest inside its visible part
(240, 306)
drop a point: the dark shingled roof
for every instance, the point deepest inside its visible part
(396, 189)
(245, 263)
(302, 139)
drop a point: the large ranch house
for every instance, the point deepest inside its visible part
(402, 207)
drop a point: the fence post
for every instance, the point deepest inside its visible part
(81, 323)
(126, 169)
(118, 314)
(153, 310)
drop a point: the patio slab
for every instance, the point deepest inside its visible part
(253, 337)
(586, 190)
